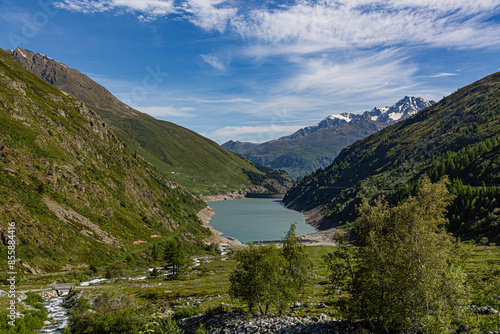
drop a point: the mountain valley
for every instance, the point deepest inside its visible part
(457, 137)
(316, 146)
(186, 157)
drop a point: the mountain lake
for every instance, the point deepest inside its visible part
(256, 219)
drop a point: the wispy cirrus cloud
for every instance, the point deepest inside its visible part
(218, 61)
(333, 24)
(372, 73)
(206, 14)
(311, 27)
(209, 14)
(443, 74)
(145, 9)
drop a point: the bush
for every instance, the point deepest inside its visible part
(115, 271)
(186, 312)
(107, 314)
(161, 325)
(213, 312)
(93, 268)
(266, 275)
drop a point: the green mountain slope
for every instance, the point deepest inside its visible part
(457, 136)
(190, 159)
(75, 192)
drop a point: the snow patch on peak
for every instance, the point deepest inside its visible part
(21, 52)
(345, 117)
(395, 116)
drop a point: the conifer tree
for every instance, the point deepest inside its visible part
(175, 257)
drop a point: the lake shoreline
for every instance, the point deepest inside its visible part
(257, 220)
(238, 194)
(314, 218)
(205, 215)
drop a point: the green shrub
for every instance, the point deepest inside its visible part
(31, 321)
(201, 330)
(161, 325)
(114, 271)
(186, 312)
(93, 268)
(108, 313)
(213, 312)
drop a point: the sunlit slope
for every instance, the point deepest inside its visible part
(194, 161)
(75, 192)
(457, 137)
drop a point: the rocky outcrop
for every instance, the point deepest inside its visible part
(229, 323)
(68, 216)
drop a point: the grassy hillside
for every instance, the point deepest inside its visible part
(390, 161)
(75, 192)
(190, 159)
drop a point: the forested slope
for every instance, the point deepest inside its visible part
(458, 137)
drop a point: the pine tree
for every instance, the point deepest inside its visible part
(175, 256)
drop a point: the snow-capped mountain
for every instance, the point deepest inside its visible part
(404, 108)
(316, 146)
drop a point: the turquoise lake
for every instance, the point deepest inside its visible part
(256, 219)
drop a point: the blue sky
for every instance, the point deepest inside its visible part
(258, 70)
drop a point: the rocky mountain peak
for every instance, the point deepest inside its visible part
(404, 108)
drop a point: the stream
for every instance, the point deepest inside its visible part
(60, 314)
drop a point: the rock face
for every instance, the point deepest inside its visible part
(316, 146)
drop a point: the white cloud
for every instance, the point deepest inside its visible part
(168, 111)
(147, 8)
(255, 134)
(209, 14)
(377, 74)
(217, 61)
(348, 23)
(327, 24)
(443, 74)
